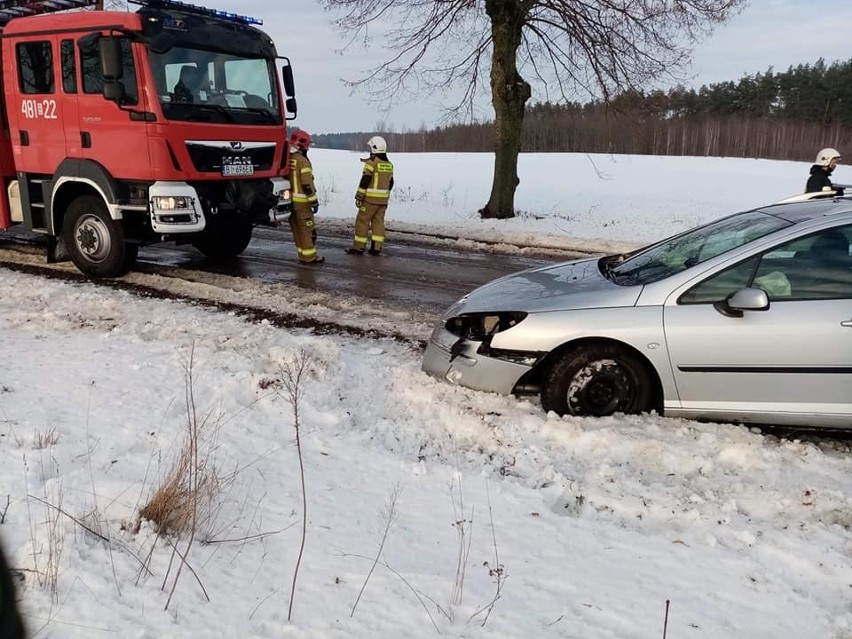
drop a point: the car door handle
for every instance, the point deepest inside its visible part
(847, 323)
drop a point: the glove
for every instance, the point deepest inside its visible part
(315, 208)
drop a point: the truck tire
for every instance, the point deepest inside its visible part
(224, 240)
(95, 241)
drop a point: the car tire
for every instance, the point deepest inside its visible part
(597, 380)
(95, 242)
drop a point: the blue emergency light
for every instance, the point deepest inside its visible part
(176, 5)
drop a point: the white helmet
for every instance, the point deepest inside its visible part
(825, 157)
(377, 144)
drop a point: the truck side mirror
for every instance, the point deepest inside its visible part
(289, 88)
(290, 105)
(289, 85)
(112, 68)
(109, 50)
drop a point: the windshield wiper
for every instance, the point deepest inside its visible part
(609, 263)
(266, 112)
(218, 108)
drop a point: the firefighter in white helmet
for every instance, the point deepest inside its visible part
(371, 198)
(305, 203)
(820, 177)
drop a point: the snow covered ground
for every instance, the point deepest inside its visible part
(430, 510)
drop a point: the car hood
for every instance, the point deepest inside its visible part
(565, 286)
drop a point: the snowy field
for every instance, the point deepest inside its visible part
(427, 510)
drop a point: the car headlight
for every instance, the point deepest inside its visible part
(171, 202)
(480, 327)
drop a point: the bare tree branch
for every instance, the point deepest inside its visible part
(596, 48)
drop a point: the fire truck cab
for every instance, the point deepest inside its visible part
(124, 129)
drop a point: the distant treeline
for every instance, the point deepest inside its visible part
(789, 115)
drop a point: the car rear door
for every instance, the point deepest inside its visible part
(793, 358)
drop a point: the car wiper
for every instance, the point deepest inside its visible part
(609, 263)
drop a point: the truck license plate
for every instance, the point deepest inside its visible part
(237, 166)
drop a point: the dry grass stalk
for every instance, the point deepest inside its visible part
(294, 376)
(46, 439)
(390, 517)
(47, 555)
(497, 571)
(186, 490)
(186, 495)
(463, 528)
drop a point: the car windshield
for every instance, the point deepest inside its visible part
(206, 86)
(678, 253)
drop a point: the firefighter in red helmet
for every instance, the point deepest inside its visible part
(305, 204)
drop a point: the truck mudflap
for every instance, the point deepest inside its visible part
(175, 208)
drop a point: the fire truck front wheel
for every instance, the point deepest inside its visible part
(94, 240)
(224, 239)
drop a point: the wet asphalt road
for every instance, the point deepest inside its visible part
(423, 276)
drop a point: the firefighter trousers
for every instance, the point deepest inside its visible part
(302, 226)
(370, 224)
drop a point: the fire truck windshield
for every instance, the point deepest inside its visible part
(205, 86)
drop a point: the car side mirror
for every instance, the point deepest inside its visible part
(747, 299)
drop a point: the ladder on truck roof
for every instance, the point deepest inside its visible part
(177, 5)
(18, 8)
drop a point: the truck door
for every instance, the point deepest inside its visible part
(111, 134)
(70, 87)
(36, 107)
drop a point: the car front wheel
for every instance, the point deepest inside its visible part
(597, 380)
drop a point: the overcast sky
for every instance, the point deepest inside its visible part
(776, 33)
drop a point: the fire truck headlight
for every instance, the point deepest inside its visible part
(284, 195)
(171, 203)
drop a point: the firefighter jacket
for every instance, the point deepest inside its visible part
(819, 180)
(376, 181)
(302, 177)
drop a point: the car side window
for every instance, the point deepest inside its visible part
(815, 267)
(718, 287)
(822, 266)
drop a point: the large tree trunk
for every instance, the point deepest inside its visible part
(509, 94)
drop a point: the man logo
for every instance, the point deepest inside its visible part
(237, 146)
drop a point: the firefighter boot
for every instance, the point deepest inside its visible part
(373, 250)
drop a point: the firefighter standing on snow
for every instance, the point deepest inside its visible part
(305, 203)
(372, 199)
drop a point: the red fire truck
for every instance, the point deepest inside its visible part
(123, 129)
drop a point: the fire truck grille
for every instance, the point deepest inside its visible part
(208, 158)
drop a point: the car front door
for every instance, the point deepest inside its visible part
(792, 359)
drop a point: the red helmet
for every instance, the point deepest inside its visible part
(300, 139)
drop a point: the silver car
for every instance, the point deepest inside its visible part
(746, 319)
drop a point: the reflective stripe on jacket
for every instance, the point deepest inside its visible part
(376, 181)
(302, 178)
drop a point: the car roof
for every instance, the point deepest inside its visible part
(798, 212)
